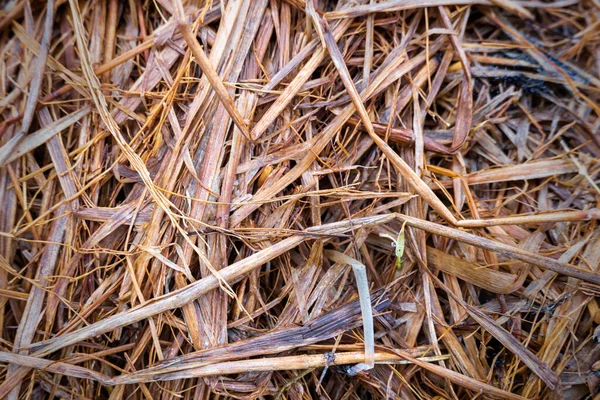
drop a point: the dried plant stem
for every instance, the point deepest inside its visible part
(501, 248)
(209, 71)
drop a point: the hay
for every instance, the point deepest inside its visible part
(186, 187)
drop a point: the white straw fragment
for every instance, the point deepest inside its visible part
(360, 273)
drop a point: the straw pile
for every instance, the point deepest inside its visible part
(192, 191)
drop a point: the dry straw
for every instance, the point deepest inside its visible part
(299, 199)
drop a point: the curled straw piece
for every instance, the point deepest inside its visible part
(362, 283)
